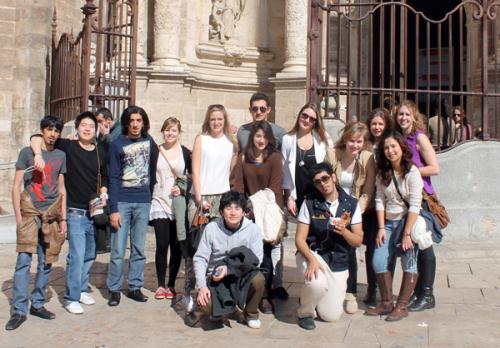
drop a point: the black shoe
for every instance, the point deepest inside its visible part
(137, 295)
(114, 298)
(42, 313)
(370, 299)
(266, 306)
(280, 293)
(15, 321)
(426, 301)
(307, 323)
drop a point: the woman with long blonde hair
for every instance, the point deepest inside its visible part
(409, 122)
(214, 156)
(355, 170)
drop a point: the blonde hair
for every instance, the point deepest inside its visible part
(418, 120)
(318, 125)
(205, 127)
(349, 131)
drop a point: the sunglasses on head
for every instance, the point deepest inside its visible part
(257, 108)
(307, 117)
(323, 180)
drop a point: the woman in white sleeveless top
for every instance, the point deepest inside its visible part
(214, 155)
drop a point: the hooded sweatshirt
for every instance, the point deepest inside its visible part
(216, 242)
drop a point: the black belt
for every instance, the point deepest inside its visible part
(77, 211)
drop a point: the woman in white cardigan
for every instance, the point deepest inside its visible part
(302, 147)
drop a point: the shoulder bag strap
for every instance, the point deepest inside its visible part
(169, 165)
(399, 192)
(98, 169)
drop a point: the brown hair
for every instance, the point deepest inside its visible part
(384, 165)
(384, 115)
(348, 132)
(318, 125)
(171, 122)
(418, 120)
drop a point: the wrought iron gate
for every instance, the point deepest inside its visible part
(368, 54)
(98, 67)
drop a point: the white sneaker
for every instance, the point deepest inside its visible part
(187, 301)
(253, 323)
(74, 307)
(351, 304)
(86, 299)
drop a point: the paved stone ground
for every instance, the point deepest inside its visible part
(467, 315)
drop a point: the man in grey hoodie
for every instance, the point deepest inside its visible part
(221, 236)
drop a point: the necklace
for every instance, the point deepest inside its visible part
(301, 156)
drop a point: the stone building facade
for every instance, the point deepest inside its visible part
(190, 54)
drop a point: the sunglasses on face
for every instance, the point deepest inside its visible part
(457, 114)
(259, 108)
(323, 180)
(307, 117)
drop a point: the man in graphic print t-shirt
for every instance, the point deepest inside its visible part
(132, 159)
(44, 188)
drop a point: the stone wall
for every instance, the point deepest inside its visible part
(468, 187)
(25, 34)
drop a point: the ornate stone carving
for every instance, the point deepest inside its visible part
(233, 55)
(224, 17)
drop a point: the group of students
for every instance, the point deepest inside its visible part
(344, 194)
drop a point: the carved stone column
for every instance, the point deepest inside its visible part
(295, 37)
(142, 34)
(167, 27)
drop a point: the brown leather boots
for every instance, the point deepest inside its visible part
(407, 287)
(386, 307)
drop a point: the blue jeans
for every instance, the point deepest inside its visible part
(386, 253)
(22, 280)
(134, 217)
(81, 254)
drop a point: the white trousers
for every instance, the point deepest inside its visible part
(323, 295)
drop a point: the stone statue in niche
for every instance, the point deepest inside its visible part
(224, 17)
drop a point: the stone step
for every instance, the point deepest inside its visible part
(8, 229)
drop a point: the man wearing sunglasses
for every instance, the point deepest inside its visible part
(329, 226)
(259, 109)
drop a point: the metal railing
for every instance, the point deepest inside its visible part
(368, 54)
(98, 67)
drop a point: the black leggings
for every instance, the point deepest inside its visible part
(166, 235)
(267, 268)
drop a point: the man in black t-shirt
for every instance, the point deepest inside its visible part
(41, 197)
(86, 180)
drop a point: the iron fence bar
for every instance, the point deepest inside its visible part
(339, 57)
(327, 63)
(408, 90)
(484, 73)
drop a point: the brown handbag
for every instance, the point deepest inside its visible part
(437, 209)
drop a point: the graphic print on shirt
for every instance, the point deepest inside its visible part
(136, 164)
(45, 182)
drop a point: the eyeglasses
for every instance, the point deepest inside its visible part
(307, 117)
(457, 114)
(323, 180)
(257, 108)
(216, 106)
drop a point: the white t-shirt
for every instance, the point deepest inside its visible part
(346, 181)
(305, 218)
